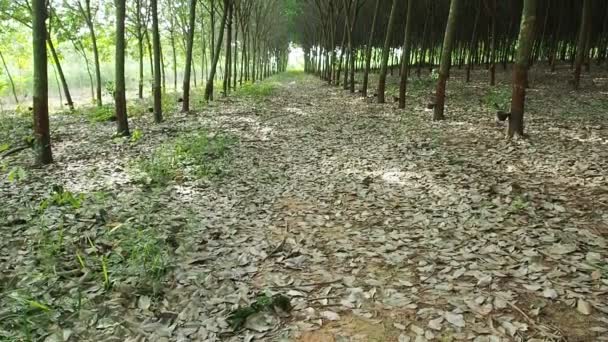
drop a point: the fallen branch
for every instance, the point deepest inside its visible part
(14, 151)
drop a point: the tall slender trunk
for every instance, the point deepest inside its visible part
(385, 52)
(473, 44)
(236, 49)
(218, 48)
(446, 54)
(120, 91)
(188, 66)
(520, 69)
(140, 47)
(405, 59)
(42, 136)
(87, 14)
(58, 86)
(158, 106)
(64, 83)
(174, 51)
(581, 47)
(492, 49)
(10, 78)
(228, 54)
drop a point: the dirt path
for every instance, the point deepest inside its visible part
(377, 226)
(377, 233)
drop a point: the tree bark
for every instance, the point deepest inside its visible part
(218, 49)
(228, 54)
(120, 91)
(473, 44)
(158, 106)
(42, 136)
(520, 69)
(368, 51)
(385, 52)
(64, 83)
(88, 16)
(405, 59)
(10, 78)
(581, 47)
(446, 60)
(188, 66)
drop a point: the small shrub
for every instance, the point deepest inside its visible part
(102, 114)
(497, 98)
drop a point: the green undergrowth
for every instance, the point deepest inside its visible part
(197, 156)
(258, 90)
(80, 257)
(16, 129)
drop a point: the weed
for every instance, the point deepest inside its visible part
(497, 98)
(16, 174)
(136, 135)
(101, 114)
(23, 315)
(141, 254)
(60, 197)
(518, 204)
(198, 156)
(257, 90)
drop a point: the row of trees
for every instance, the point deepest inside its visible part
(238, 34)
(345, 36)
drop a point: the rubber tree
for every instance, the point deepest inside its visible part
(582, 43)
(120, 99)
(446, 60)
(216, 54)
(10, 78)
(158, 106)
(385, 52)
(407, 45)
(87, 14)
(525, 43)
(228, 56)
(188, 65)
(42, 136)
(368, 50)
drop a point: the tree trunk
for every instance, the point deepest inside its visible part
(228, 54)
(174, 50)
(385, 52)
(120, 91)
(520, 69)
(64, 83)
(218, 49)
(446, 54)
(368, 51)
(188, 67)
(10, 78)
(492, 51)
(581, 47)
(473, 44)
(140, 47)
(42, 136)
(405, 59)
(89, 20)
(158, 106)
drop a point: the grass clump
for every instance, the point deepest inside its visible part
(193, 156)
(257, 90)
(101, 114)
(497, 98)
